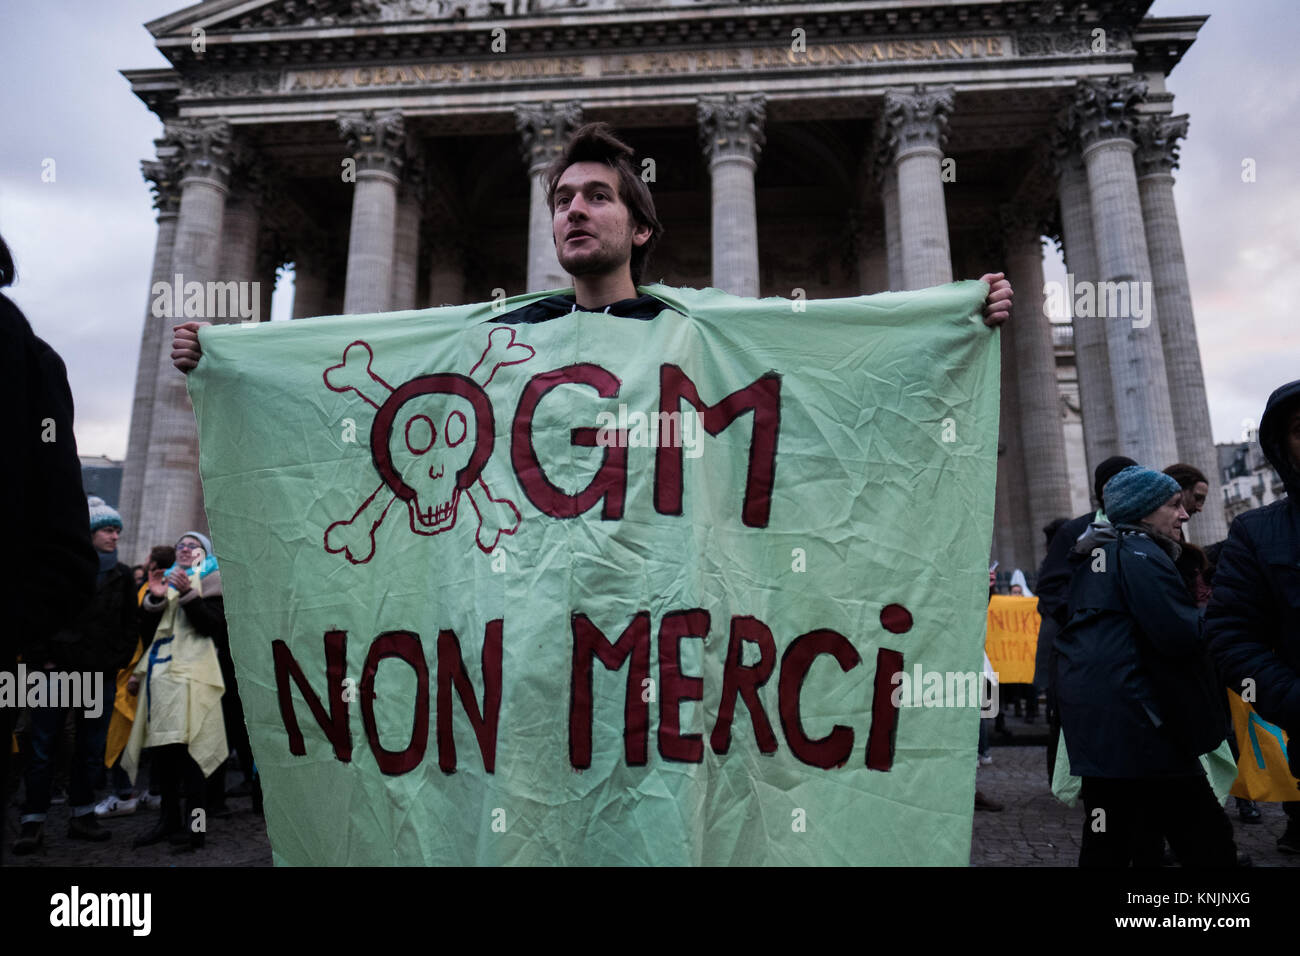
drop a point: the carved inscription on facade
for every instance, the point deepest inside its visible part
(621, 65)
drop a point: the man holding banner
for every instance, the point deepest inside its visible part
(1253, 620)
(533, 512)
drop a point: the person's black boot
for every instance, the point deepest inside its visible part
(86, 827)
(162, 831)
(30, 838)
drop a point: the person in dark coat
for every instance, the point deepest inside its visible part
(1053, 596)
(94, 647)
(1138, 696)
(40, 484)
(1253, 619)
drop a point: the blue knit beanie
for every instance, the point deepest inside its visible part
(102, 515)
(1136, 492)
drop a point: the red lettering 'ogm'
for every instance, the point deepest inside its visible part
(762, 397)
(610, 481)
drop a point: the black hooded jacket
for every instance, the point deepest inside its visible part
(1253, 621)
(555, 306)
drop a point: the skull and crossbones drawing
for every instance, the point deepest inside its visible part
(430, 440)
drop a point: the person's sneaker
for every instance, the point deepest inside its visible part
(1247, 811)
(30, 838)
(86, 827)
(150, 801)
(115, 806)
(984, 803)
(1289, 842)
(986, 759)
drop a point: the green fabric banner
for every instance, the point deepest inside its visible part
(604, 590)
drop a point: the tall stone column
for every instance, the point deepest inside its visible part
(1047, 478)
(270, 256)
(170, 502)
(1091, 357)
(1103, 115)
(914, 129)
(1011, 515)
(873, 257)
(446, 270)
(885, 177)
(375, 140)
(311, 273)
(1157, 158)
(164, 174)
(406, 237)
(241, 228)
(731, 133)
(543, 129)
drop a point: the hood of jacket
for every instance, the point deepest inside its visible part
(1098, 534)
(553, 307)
(1272, 435)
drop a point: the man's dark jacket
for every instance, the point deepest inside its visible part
(1253, 620)
(1136, 690)
(103, 636)
(40, 486)
(1053, 583)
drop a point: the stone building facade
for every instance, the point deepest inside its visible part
(390, 150)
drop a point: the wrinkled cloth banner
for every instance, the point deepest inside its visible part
(603, 590)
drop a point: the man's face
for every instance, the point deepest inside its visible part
(105, 539)
(1169, 517)
(1194, 498)
(1293, 437)
(593, 228)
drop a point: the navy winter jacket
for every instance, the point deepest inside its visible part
(1253, 621)
(1135, 687)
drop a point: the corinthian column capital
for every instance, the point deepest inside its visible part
(731, 126)
(543, 129)
(375, 138)
(915, 119)
(203, 148)
(1105, 109)
(1157, 139)
(164, 177)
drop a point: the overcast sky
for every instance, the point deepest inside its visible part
(84, 242)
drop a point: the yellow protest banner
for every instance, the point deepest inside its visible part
(1011, 640)
(1262, 772)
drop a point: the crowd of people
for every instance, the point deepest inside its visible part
(1143, 634)
(1142, 631)
(156, 636)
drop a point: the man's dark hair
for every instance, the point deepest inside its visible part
(1053, 526)
(1107, 470)
(1186, 475)
(6, 265)
(597, 143)
(163, 556)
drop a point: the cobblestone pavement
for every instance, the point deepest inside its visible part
(1034, 829)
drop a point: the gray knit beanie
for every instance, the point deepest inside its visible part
(1135, 493)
